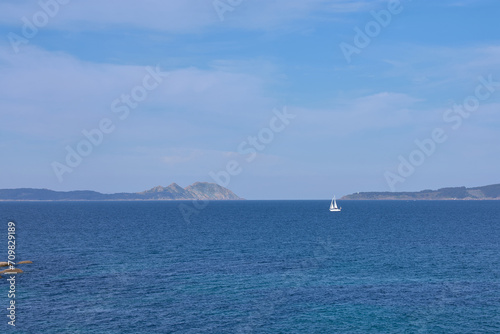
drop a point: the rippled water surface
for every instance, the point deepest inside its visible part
(255, 267)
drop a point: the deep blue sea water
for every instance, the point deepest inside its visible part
(255, 267)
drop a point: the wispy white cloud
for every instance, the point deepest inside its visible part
(379, 111)
(178, 16)
(433, 62)
(172, 15)
(56, 88)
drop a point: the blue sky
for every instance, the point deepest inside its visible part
(221, 81)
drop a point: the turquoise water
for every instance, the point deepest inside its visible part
(255, 267)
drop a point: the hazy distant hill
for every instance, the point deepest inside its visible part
(462, 193)
(198, 190)
(204, 190)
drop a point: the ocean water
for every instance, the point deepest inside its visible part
(255, 267)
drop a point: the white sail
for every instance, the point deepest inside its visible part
(333, 205)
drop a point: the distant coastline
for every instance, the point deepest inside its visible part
(215, 192)
(490, 192)
(196, 191)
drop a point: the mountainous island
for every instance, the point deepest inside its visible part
(491, 192)
(196, 191)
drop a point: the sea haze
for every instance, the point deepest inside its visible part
(256, 266)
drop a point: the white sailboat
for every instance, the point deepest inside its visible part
(333, 205)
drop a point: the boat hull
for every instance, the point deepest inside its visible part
(333, 205)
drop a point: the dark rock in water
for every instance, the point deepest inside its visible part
(15, 270)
